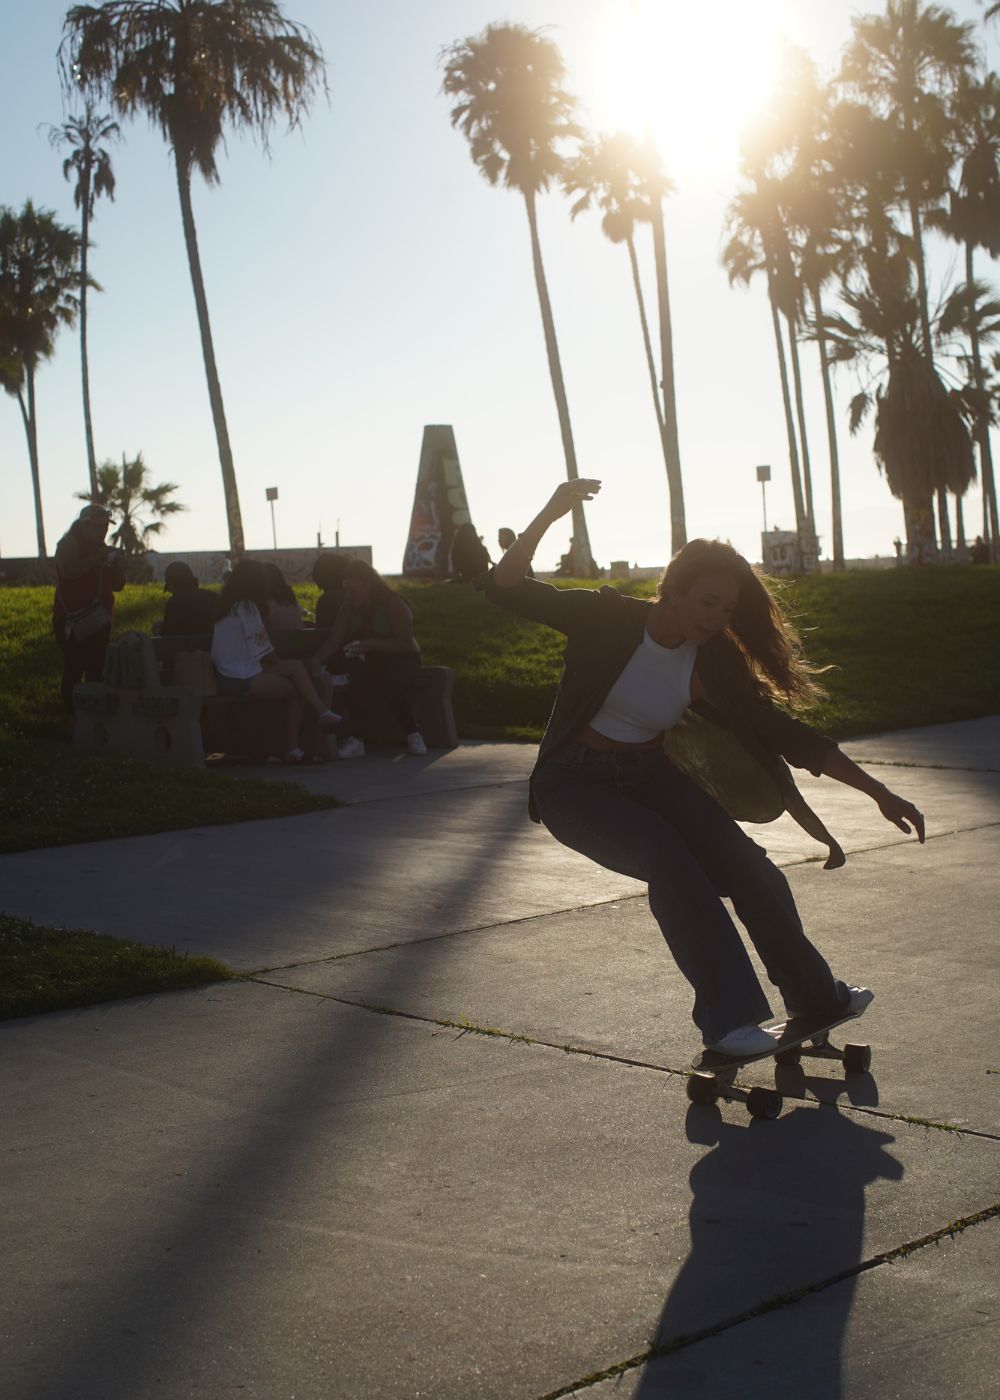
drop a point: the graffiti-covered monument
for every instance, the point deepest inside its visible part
(440, 521)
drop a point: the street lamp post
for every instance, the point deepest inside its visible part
(271, 493)
(764, 476)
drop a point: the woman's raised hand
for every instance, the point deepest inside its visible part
(568, 493)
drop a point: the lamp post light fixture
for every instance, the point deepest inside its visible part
(271, 493)
(764, 476)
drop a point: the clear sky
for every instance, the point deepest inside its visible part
(366, 280)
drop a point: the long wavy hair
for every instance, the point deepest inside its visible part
(246, 584)
(764, 636)
(378, 590)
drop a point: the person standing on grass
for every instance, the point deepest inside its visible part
(505, 538)
(715, 639)
(88, 575)
(374, 630)
(246, 663)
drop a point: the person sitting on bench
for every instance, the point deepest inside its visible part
(283, 611)
(190, 609)
(375, 629)
(247, 665)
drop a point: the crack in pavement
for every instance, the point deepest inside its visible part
(465, 1027)
(782, 1300)
(938, 767)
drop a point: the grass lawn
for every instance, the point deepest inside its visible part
(48, 969)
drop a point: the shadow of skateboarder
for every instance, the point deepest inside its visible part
(777, 1214)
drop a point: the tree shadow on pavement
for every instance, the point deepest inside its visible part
(777, 1211)
(158, 1281)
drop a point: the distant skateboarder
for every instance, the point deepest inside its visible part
(707, 659)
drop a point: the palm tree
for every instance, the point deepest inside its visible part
(793, 141)
(615, 173)
(973, 220)
(922, 443)
(142, 509)
(90, 162)
(751, 247)
(196, 67)
(39, 286)
(905, 63)
(511, 106)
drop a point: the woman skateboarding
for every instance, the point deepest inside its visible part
(706, 659)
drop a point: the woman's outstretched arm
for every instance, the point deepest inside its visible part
(894, 808)
(513, 567)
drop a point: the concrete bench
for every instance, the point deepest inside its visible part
(149, 721)
(157, 721)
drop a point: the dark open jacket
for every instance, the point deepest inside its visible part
(734, 745)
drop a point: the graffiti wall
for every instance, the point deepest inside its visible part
(439, 506)
(789, 552)
(208, 566)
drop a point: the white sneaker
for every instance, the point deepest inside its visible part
(415, 744)
(350, 748)
(860, 998)
(745, 1040)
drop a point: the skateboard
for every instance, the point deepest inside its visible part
(713, 1074)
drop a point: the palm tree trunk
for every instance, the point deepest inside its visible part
(31, 430)
(85, 371)
(583, 559)
(651, 366)
(671, 441)
(793, 450)
(836, 513)
(233, 516)
(944, 523)
(646, 342)
(800, 413)
(991, 531)
(837, 522)
(922, 299)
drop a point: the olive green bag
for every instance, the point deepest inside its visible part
(715, 759)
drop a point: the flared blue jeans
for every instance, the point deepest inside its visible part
(632, 811)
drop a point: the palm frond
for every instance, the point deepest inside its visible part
(858, 411)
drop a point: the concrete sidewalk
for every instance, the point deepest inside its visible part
(329, 1181)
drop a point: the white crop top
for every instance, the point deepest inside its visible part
(651, 693)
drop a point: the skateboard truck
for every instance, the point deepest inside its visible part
(713, 1075)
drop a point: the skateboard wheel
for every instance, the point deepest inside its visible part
(857, 1059)
(701, 1088)
(764, 1103)
(788, 1057)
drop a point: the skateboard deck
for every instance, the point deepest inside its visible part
(714, 1074)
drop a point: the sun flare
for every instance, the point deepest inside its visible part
(691, 74)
